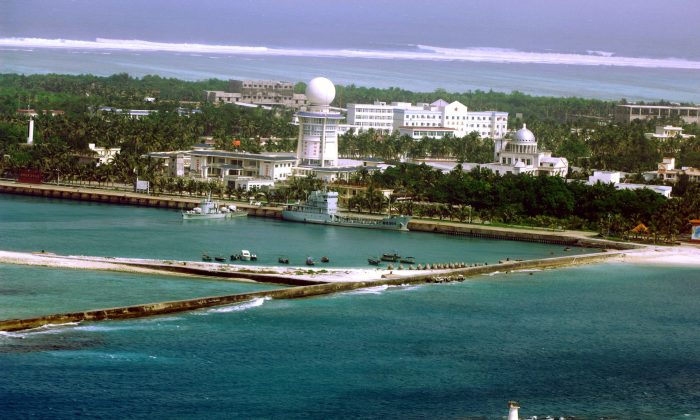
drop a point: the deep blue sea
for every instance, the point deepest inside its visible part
(613, 340)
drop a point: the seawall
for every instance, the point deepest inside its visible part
(161, 308)
(124, 197)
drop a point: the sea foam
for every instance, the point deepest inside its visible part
(415, 53)
(241, 306)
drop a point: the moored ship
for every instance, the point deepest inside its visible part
(322, 208)
(209, 209)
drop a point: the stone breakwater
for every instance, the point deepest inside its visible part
(162, 308)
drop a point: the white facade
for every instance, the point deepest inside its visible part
(229, 166)
(318, 127)
(664, 132)
(668, 172)
(607, 177)
(440, 114)
(520, 155)
(105, 155)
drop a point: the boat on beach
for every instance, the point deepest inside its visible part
(322, 208)
(208, 209)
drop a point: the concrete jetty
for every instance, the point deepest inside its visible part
(161, 308)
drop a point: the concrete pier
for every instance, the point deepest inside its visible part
(161, 308)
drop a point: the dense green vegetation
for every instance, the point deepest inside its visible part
(576, 128)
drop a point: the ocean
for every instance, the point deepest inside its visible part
(613, 340)
(603, 50)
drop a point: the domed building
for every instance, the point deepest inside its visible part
(318, 127)
(521, 155)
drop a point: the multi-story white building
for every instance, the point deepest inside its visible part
(434, 120)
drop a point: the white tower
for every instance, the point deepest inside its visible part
(513, 410)
(30, 137)
(318, 127)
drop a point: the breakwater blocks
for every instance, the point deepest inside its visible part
(162, 308)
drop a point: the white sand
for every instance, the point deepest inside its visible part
(317, 273)
(657, 255)
(682, 255)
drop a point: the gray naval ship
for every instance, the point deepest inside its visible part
(322, 207)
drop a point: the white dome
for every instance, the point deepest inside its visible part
(524, 136)
(320, 91)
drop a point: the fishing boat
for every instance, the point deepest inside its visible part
(220, 259)
(310, 261)
(283, 260)
(322, 208)
(206, 257)
(208, 209)
(373, 261)
(325, 259)
(407, 260)
(391, 256)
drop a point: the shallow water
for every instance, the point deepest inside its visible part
(82, 228)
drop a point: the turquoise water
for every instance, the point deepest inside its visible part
(610, 340)
(81, 228)
(32, 291)
(607, 340)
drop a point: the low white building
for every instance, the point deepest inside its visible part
(668, 172)
(520, 155)
(613, 177)
(104, 155)
(230, 166)
(664, 132)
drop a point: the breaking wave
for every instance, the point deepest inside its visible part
(241, 306)
(416, 53)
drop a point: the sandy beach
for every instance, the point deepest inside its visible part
(328, 275)
(683, 255)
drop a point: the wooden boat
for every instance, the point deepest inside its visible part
(325, 259)
(283, 260)
(206, 257)
(373, 261)
(220, 259)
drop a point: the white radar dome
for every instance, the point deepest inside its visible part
(320, 91)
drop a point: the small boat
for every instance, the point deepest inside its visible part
(407, 260)
(253, 257)
(373, 261)
(391, 257)
(283, 260)
(245, 255)
(220, 259)
(206, 257)
(325, 259)
(235, 257)
(310, 261)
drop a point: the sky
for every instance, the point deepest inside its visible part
(666, 28)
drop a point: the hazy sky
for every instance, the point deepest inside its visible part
(667, 28)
